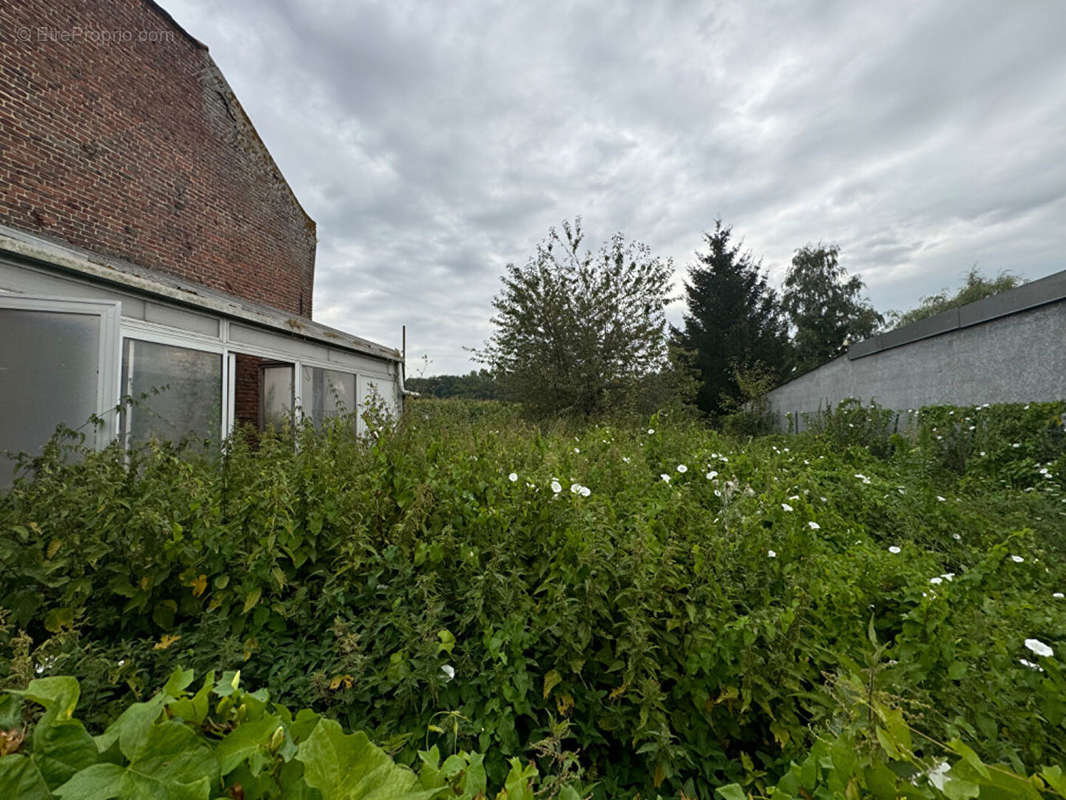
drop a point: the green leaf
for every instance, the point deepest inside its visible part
(178, 681)
(958, 789)
(58, 695)
(731, 792)
(881, 781)
(897, 728)
(58, 618)
(195, 709)
(246, 740)
(10, 712)
(62, 749)
(447, 642)
(1055, 778)
(251, 599)
(970, 757)
(352, 768)
(20, 778)
(98, 782)
(131, 728)
(163, 614)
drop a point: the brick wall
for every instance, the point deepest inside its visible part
(119, 134)
(246, 391)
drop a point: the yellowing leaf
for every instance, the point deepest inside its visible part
(551, 680)
(341, 680)
(166, 641)
(53, 548)
(252, 599)
(564, 703)
(199, 585)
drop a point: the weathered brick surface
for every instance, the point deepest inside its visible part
(119, 134)
(246, 391)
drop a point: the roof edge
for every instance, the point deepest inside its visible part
(169, 18)
(59, 255)
(1041, 292)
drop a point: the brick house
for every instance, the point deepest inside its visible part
(148, 239)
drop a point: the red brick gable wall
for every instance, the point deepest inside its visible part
(119, 134)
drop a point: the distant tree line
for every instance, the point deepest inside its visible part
(475, 385)
(586, 333)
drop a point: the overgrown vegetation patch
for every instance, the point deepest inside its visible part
(647, 608)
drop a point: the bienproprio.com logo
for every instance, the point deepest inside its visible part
(78, 34)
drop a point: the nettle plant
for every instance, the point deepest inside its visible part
(219, 740)
(1015, 442)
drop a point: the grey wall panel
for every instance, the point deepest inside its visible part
(23, 280)
(182, 319)
(1010, 359)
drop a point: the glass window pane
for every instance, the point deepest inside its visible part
(327, 393)
(183, 388)
(49, 365)
(277, 383)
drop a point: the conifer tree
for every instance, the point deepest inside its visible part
(734, 322)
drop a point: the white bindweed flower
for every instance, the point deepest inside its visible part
(682, 468)
(936, 581)
(893, 549)
(814, 526)
(712, 475)
(665, 477)
(585, 491)
(956, 537)
(1058, 595)
(651, 431)
(1017, 559)
(625, 459)
(448, 671)
(938, 775)
(513, 477)
(948, 576)
(771, 554)
(794, 497)
(862, 477)
(575, 488)
(941, 499)
(1025, 662)
(576, 450)
(786, 507)
(557, 487)
(1038, 647)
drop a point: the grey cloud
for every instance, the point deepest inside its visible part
(434, 143)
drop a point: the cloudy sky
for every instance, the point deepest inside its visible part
(436, 142)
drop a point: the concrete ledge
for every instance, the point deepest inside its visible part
(1051, 289)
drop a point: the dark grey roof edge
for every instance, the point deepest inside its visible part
(141, 280)
(1050, 289)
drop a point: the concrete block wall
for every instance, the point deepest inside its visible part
(119, 134)
(1006, 349)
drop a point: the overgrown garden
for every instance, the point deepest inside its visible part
(604, 609)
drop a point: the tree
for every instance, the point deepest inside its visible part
(975, 287)
(577, 332)
(734, 322)
(824, 306)
(475, 385)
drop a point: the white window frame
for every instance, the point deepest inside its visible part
(161, 334)
(109, 357)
